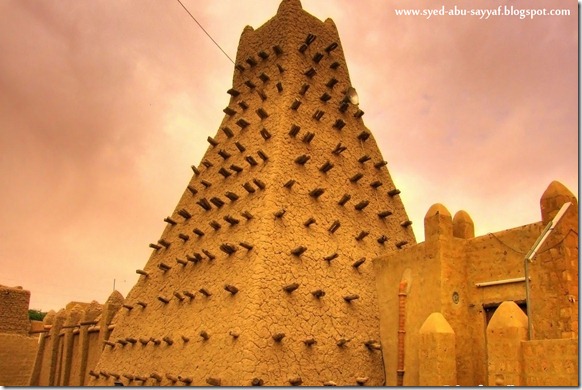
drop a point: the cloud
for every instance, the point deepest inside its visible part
(104, 106)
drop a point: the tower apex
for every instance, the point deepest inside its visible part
(288, 5)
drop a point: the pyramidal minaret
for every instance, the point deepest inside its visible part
(262, 274)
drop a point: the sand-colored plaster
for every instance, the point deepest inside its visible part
(274, 311)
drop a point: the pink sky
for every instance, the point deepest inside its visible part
(104, 105)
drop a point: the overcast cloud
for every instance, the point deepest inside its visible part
(104, 105)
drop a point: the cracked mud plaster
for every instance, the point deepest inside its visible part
(254, 159)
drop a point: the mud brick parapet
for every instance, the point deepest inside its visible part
(73, 341)
(17, 347)
(14, 303)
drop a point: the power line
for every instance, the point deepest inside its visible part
(193, 18)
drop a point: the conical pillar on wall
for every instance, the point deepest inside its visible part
(262, 274)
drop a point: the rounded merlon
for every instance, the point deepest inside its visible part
(553, 198)
(436, 323)
(463, 226)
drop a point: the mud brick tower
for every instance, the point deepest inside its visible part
(263, 274)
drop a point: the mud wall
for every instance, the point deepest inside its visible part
(17, 346)
(466, 278)
(72, 342)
